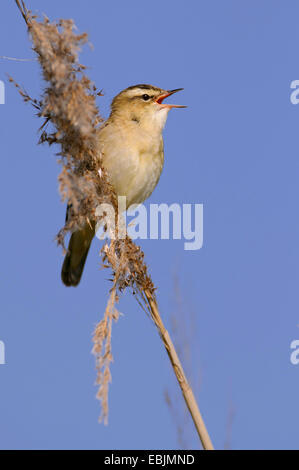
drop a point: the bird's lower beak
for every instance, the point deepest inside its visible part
(162, 97)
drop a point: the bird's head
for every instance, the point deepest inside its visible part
(144, 105)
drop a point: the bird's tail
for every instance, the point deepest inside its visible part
(75, 258)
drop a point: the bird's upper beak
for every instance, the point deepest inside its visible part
(162, 97)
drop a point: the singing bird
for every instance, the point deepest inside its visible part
(131, 147)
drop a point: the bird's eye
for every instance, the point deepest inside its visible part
(145, 97)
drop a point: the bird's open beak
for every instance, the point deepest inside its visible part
(162, 97)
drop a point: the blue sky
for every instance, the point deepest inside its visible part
(235, 150)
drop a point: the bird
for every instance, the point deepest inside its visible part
(132, 152)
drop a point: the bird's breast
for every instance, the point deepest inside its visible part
(134, 162)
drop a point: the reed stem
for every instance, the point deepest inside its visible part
(180, 375)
